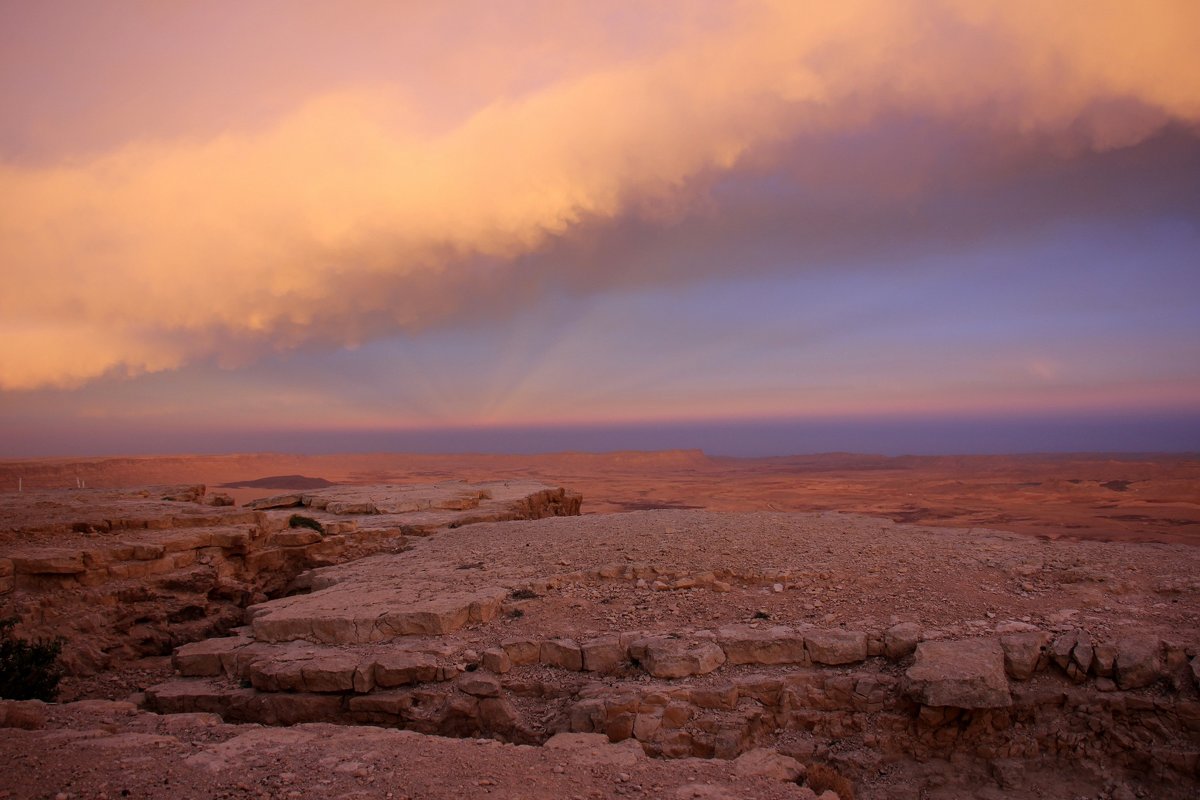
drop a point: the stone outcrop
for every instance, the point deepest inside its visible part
(568, 632)
(137, 572)
(965, 674)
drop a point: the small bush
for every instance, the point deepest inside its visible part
(28, 670)
(301, 521)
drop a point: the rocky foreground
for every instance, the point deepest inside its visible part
(656, 653)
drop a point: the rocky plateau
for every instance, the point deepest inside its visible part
(483, 639)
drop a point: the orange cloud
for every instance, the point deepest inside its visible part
(352, 215)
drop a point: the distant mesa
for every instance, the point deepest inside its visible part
(281, 482)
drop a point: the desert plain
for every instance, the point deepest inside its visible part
(641, 624)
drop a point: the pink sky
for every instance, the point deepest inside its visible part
(381, 215)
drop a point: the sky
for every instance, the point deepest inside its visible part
(754, 227)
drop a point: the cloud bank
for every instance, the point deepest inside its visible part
(379, 205)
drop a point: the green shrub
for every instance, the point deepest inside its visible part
(28, 671)
(301, 521)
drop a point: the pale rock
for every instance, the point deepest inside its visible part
(774, 645)
(901, 640)
(403, 668)
(833, 647)
(604, 654)
(330, 672)
(522, 651)
(206, 657)
(564, 653)
(967, 673)
(496, 660)
(664, 657)
(1023, 652)
(765, 762)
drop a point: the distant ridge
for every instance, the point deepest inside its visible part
(281, 482)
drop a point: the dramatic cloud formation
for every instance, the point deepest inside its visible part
(361, 201)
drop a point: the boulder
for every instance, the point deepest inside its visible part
(664, 657)
(563, 653)
(522, 651)
(833, 647)
(1023, 652)
(603, 655)
(901, 640)
(1139, 662)
(774, 645)
(959, 674)
(496, 660)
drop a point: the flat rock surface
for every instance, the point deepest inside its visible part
(834, 569)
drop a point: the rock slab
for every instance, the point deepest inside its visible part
(961, 674)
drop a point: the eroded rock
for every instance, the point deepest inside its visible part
(959, 674)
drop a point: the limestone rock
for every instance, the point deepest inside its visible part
(206, 657)
(522, 651)
(604, 654)
(1023, 653)
(960, 674)
(496, 660)
(833, 647)
(479, 685)
(403, 668)
(767, 763)
(901, 640)
(563, 653)
(1139, 662)
(664, 657)
(774, 645)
